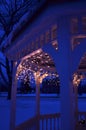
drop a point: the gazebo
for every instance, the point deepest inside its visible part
(60, 31)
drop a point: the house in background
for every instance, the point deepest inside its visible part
(58, 29)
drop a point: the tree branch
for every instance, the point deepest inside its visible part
(1, 64)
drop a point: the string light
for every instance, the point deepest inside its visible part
(36, 62)
(77, 78)
(55, 44)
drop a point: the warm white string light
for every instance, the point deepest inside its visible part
(37, 63)
(76, 79)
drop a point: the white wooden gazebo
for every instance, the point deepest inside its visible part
(62, 26)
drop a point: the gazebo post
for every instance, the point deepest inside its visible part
(37, 78)
(76, 102)
(63, 63)
(13, 98)
(65, 72)
(62, 59)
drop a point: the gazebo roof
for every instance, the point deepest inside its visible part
(29, 17)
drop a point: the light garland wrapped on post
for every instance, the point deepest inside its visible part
(76, 79)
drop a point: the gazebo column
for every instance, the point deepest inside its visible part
(67, 109)
(62, 60)
(77, 54)
(13, 98)
(66, 91)
(76, 102)
(64, 69)
(37, 78)
(37, 97)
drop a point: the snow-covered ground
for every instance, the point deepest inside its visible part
(25, 108)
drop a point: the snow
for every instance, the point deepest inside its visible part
(25, 108)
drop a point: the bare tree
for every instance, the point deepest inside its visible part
(10, 13)
(7, 77)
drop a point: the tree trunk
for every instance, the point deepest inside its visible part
(9, 72)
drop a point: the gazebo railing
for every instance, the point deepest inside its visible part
(81, 124)
(28, 125)
(51, 122)
(45, 122)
